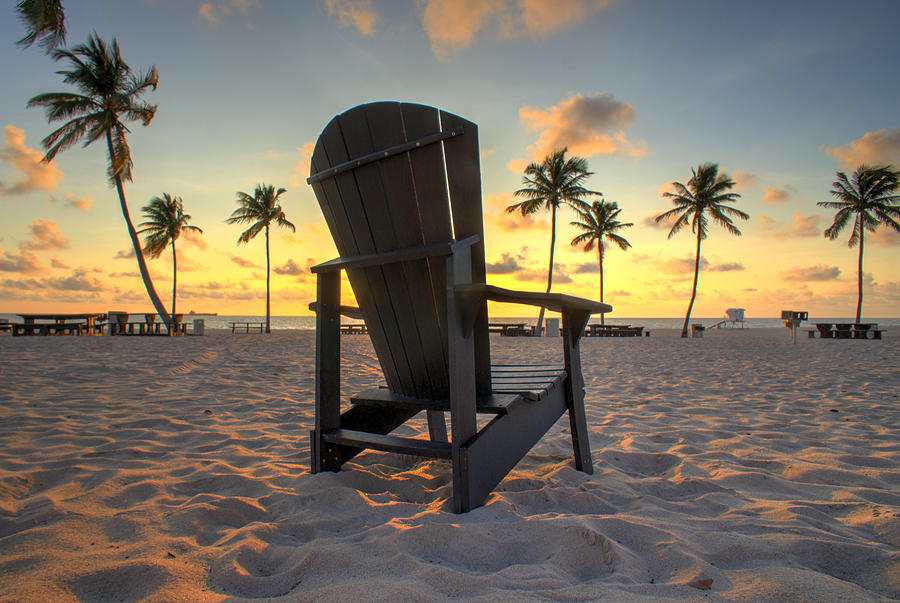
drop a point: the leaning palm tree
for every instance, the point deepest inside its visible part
(260, 209)
(45, 22)
(598, 222)
(553, 182)
(706, 193)
(108, 96)
(166, 221)
(871, 199)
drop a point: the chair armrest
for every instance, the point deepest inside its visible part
(557, 302)
(348, 311)
(392, 257)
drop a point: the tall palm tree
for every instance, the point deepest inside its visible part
(108, 96)
(166, 221)
(706, 193)
(599, 221)
(871, 198)
(45, 21)
(553, 182)
(261, 209)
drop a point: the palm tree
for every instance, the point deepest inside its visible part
(261, 209)
(871, 198)
(165, 222)
(706, 192)
(109, 93)
(598, 221)
(45, 21)
(553, 182)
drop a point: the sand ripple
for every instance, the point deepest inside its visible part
(162, 470)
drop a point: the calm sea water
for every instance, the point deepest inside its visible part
(309, 322)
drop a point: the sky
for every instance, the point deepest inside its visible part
(780, 95)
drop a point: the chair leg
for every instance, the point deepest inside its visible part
(437, 427)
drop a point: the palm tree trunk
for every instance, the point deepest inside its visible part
(139, 254)
(538, 330)
(174, 286)
(268, 328)
(860, 271)
(600, 261)
(687, 317)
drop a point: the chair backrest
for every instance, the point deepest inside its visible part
(392, 176)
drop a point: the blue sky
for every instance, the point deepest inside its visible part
(781, 95)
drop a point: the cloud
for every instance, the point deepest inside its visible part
(79, 203)
(683, 265)
(587, 268)
(193, 239)
(801, 226)
(124, 254)
(743, 180)
(587, 125)
(291, 268)
(45, 235)
(26, 262)
(725, 267)
(214, 13)
(650, 222)
(495, 210)
(811, 273)
(884, 237)
(776, 196)
(507, 265)
(540, 276)
(58, 263)
(354, 13)
(301, 170)
(451, 25)
(34, 173)
(874, 148)
(806, 226)
(242, 262)
(208, 13)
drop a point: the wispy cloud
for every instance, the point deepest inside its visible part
(26, 262)
(777, 196)
(507, 264)
(802, 225)
(820, 272)
(873, 148)
(452, 25)
(587, 125)
(45, 235)
(358, 14)
(301, 170)
(34, 173)
(213, 13)
(743, 180)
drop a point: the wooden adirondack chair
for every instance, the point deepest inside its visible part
(382, 173)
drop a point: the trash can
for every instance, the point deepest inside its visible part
(552, 325)
(199, 326)
(697, 330)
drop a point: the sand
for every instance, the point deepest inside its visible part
(733, 467)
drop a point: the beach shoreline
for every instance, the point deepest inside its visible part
(737, 466)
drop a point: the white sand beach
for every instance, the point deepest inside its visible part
(733, 467)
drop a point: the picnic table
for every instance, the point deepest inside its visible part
(246, 327)
(56, 324)
(595, 330)
(510, 329)
(846, 330)
(354, 329)
(119, 324)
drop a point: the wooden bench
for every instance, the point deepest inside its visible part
(246, 327)
(510, 329)
(5, 325)
(613, 331)
(856, 330)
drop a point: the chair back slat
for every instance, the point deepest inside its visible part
(398, 202)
